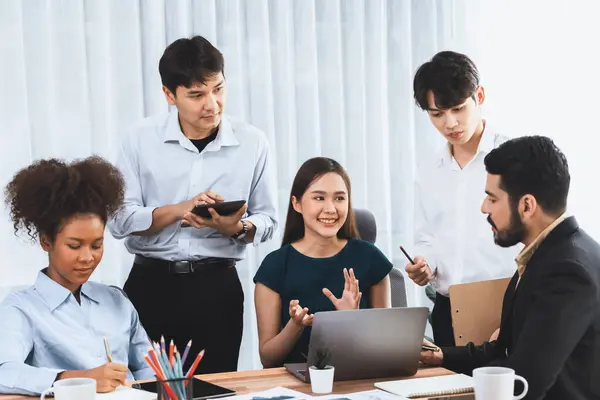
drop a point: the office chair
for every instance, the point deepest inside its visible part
(367, 229)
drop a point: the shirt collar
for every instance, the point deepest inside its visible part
(225, 137)
(89, 290)
(173, 133)
(54, 294)
(486, 144)
(526, 254)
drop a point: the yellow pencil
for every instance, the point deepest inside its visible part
(107, 348)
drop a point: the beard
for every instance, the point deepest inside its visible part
(513, 234)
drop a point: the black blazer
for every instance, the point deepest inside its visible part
(550, 326)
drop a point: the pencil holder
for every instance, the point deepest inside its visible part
(175, 389)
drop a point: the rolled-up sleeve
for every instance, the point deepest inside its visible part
(262, 209)
(16, 377)
(133, 216)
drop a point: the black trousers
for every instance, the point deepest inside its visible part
(205, 306)
(441, 321)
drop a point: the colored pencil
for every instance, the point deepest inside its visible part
(190, 372)
(171, 350)
(162, 343)
(160, 376)
(185, 352)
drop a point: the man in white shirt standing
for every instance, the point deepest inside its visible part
(452, 238)
(183, 283)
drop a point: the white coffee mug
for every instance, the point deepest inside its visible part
(497, 383)
(72, 389)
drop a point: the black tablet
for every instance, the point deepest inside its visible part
(224, 208)
(202, 389)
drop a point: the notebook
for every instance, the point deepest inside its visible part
(126, 393)
(428, 387)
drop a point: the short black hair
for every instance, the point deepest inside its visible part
(532, 165)
(189, 61)
(452, 77)
(44, 195)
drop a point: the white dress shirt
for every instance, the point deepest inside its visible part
(161, 167)
(450, 230)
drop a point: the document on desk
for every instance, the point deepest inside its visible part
(277, 393)
(280, 393)
(126, 393)
(366, 395)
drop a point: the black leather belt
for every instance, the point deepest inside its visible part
(185, 267)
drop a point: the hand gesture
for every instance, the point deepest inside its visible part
(108, 376)
(300, 315)
(419, 272)
(350, 299)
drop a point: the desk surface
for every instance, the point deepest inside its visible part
(256, 381)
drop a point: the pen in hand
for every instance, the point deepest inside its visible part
(407, 256)
(426, 347)
(107, 349)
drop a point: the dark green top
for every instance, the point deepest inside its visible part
(298, 277)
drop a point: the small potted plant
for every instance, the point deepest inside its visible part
(321, 374)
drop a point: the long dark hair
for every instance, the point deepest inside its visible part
(310, 171)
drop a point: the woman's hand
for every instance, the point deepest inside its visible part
(350, 299)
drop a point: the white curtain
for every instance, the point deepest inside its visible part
(540, 63)
(320, 77)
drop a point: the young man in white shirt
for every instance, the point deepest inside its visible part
(183, 283)
(451, 237)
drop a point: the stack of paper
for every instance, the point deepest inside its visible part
(126, 393)
(280, 393)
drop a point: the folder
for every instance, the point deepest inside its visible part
(476, 309)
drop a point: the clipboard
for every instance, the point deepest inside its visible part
(473, 318)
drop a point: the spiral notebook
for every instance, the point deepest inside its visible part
(428, 387)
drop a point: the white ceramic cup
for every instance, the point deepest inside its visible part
(497, 383)
(321, 380)
(72, 389)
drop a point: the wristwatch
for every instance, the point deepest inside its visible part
(242, 233)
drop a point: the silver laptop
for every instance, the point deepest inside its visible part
(368, 343)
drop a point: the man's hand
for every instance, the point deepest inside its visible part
(431, 357)
(202, 198)
(173, 213)
(419, 272)
(227, 225)
(299, 315)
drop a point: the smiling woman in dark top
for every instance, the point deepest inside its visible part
(322, 264)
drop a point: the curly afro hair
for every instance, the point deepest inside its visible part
(44, 195)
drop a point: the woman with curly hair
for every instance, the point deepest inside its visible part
(55, 329)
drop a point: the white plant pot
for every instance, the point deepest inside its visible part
(321, 380)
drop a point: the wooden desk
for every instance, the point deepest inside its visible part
(259, 380)
(256, 381)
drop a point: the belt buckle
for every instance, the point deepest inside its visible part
(182, 267)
